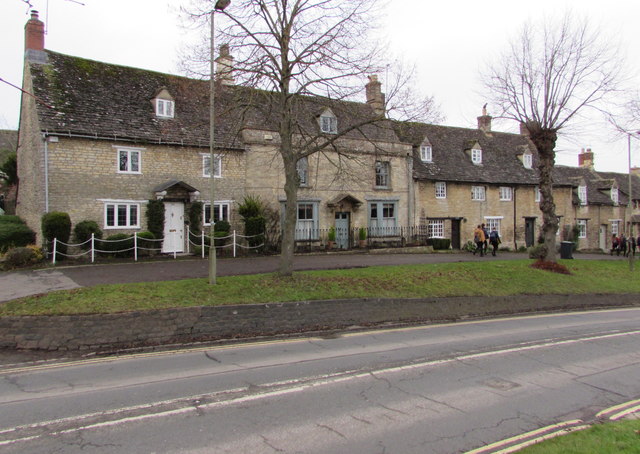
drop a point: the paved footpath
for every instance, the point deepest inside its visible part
(16, 284)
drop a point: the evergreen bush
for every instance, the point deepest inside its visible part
(82, 233)
(21, 256)
(155, 218)
(195, 218)
(14, 233)
(56, 224)
(117, 245)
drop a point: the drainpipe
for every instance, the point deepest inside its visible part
(46, 173)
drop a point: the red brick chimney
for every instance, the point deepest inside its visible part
(585, 159)
(34, 33)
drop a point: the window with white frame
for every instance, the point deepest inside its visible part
(328, 123)
(615, 227)
(129, 160)
(493, 223)
(537, 196)
(436, 228)
(302, 166)
(383, 174)
(477, 193)
(527, 160)
(582, 228)
(382, 218)
(220, 212)
(614, 195)
(582, 194)
(476, 156)
(441, 190)
(206, 166)
(164, 108)
(506, 193)
(426, 154)
(307, 221)
(120, 215)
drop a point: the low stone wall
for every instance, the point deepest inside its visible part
(139, 329)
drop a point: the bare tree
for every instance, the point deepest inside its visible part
(304, 52)
(551, 74)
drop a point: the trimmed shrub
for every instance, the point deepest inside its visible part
(439, 243)
(10, 219)
(222, 226)
(22, 256)
(195, 218)
(254, 228)
(15, 234)
(538, 251)
(155, 218)
(118, 245)
(83, 230)
(56, 224)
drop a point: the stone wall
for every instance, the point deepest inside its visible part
(140, 329)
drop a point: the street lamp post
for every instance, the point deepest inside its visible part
(630, 203)
(219, 6)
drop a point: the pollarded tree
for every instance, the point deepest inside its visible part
(551, 74)
(296, 51)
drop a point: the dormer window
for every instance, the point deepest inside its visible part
(582, 194)
(614, 196)
(527, 160)
(164, 108)
(476, 156)
(328, 123)
(426, 154)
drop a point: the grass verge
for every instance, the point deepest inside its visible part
(611, 438)
(496, 278)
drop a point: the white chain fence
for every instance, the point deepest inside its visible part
(137, 244)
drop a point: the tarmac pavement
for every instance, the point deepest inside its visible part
(17, 284)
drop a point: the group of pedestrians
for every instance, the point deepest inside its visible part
(624, 245)
(482, 237)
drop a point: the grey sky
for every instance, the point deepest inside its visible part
(448, 41)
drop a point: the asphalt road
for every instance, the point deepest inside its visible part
(434, 389)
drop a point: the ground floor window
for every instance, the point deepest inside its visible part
(383, 218)
(220, 212)
(121, 215)
(307, 221)
(436, 228)
(582, 228)
(493, 223)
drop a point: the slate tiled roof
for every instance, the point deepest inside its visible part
(110, 101)
(451, 162)
(598, 184)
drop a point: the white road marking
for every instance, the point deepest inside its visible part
(283, 388)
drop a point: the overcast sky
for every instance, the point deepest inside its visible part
(449, 41)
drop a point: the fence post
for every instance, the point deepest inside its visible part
(174, 242)
(202, 242)
(234, 244)
(135, 246)
(54, 250)
(188, 239)
(93, 248)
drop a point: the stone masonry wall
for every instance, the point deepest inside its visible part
(139, 329)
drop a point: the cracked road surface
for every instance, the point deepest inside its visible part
(426, 389)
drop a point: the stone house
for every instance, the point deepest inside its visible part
(98, 141)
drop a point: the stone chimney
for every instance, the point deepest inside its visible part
(524, 131)
(375, 97)
(585, 159)
(484, 121)
(635, 171)
(224, 66)
(34, 39)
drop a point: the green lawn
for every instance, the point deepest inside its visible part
(611, 438)
(410, 281)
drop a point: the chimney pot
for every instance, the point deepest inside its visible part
(585, 159)
(34, 33)
(375, 97)
(484, 121)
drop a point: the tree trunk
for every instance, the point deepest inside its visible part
(545, 142)
(290, 215)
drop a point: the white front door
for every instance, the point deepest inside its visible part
(173, 227)
(603, 237)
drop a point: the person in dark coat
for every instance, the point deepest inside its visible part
(623, 245)
(494, 239)
(486, 238)
(632, 246)
(479, 239)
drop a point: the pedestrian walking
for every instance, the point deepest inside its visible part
(486, 239)
(623, 245)
(632, 245)
(494, 239)
(614, 244)
(479, 239)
